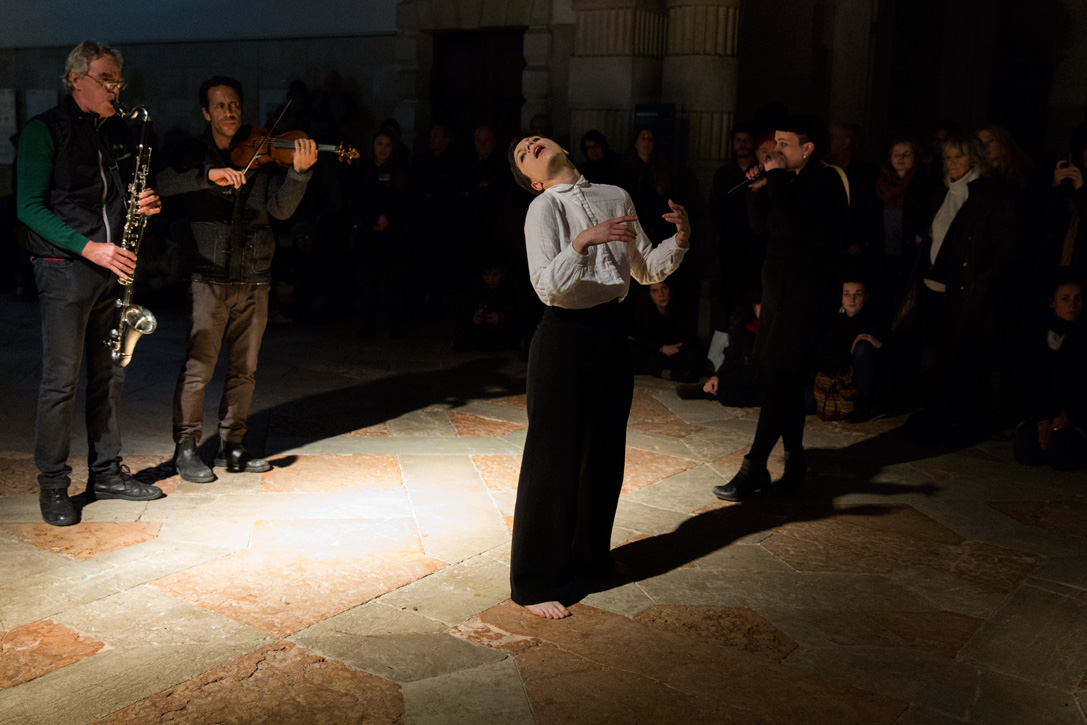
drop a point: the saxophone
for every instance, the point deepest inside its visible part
(133, 321)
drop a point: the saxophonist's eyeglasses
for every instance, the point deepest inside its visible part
(109, 85)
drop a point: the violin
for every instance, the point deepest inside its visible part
(259, 148)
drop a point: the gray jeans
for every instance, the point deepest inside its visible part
(77, 308)
(238, 312)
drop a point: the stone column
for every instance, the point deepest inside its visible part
(700, 76)
(618, 49)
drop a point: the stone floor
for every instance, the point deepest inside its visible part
(365, 578)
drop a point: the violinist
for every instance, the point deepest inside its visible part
(228, 208)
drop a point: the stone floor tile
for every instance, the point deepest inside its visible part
(719, 440)
(488, 694)
(456, 525)
(113, 679)
(1038, 636)
(355, 537)
(677, 447)
(146, 617)
(730, 463)
(684, 492)
(626, 600)
(79, 543)
(17, 558)
(36, 649)
(740, 557)
(475, 426)
(438, 472)
(1011, 701)
(565, 688)
(1068, 517)
(430, 422)
(828, 627)
(727, 681)
(780, 590)
(941, 633)
(229, 533)
(1068, 570)
(506, 501)
(649, 415)
(946, 591)
(283, 594)
(646, 519)
(370, 619)
(457, 592)
(514, 401)
(499, 472)
(283, 682)
(329, 474)
(904, 673)
(353, 505)
(737, 627)
(646, 467)
(43, 595)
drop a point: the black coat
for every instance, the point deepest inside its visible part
(975, 262)
(805, 218)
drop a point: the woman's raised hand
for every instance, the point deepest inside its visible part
(618, 229)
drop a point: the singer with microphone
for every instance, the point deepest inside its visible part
(801, 205)
(72, 199)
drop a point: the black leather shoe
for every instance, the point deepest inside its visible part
(749, 479)
(57, 508)
(121, 485)
(188, 463)
(795, 474)
(235, 459)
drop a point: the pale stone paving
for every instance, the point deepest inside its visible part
(365, 578)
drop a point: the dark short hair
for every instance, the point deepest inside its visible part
(210, 83)
(1062, 276)
(809, 129)
(596, 137)
(523, 181)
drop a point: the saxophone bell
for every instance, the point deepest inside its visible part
(136, 322)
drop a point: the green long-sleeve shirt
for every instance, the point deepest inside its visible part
(34, 168)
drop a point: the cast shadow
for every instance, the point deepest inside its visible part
(832, 473)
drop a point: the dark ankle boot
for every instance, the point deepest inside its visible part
(188, 463)
(57, 508)
(749, 479)
(796, 473)
(235, 459)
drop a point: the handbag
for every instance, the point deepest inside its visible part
(835, 395)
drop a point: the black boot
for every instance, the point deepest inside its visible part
(750, 478)
(235, 459)
(188, 463)
(57, 508)
(123, 486)
(796, 473)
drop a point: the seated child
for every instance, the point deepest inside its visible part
(489, 321)
(854, 342)
(1056, 402)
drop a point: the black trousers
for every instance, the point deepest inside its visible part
(580, 387)
(77, 307)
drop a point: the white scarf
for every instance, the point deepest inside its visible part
(957, 193)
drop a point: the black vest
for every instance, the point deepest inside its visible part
(86, 191)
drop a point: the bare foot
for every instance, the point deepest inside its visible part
(548, 610)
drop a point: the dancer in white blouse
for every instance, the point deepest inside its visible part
(584, 244)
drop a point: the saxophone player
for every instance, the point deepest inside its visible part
(71, 198)
(228, 213)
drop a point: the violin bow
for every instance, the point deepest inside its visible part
(268, 135)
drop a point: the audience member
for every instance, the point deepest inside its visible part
(739, 253)
(664, 338)
(1055, 429)
(649, 183)
(853, 346)
(490, 321)
(733, 384)
(951, 301)
(899, 188)
(601, 164)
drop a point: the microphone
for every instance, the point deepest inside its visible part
(747, 181)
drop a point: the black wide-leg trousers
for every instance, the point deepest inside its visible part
(580, 386)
